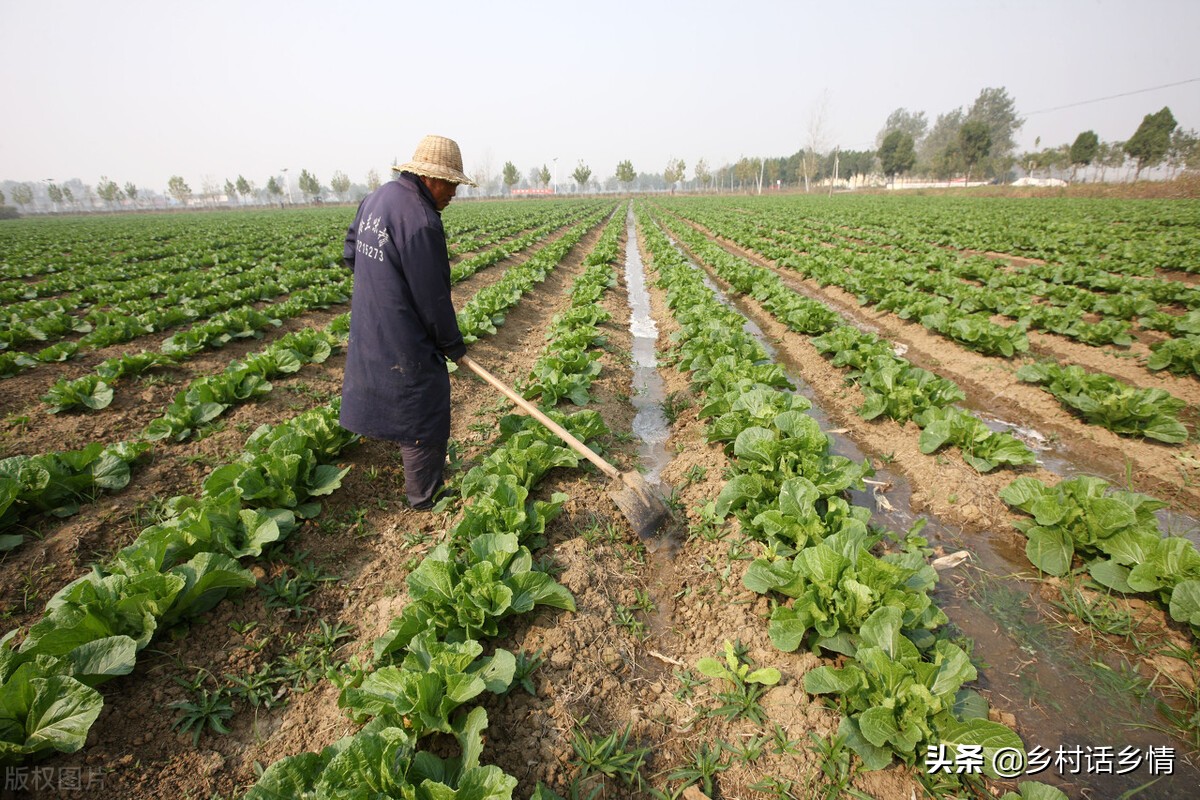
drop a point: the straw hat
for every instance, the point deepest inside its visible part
(437, 157)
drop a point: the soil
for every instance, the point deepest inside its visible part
(601, 673)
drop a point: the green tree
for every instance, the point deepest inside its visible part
(2, 198)
(309, 185)
(938, 151)
(511, 176)
(625, 174)
(915, 125)
(1084, 150)
(747, 170)
(244, 188)
(1149, 144)
(857, 162)
(897, 154)
(274, 189)
(373, 181)
(68, 195)
(995, 109)
(54, 192)
(231, 191)
(947, 162)
(178, 188)
(22, 194)
(974, 143)
(340, 184)
(1184, 152)
(674, 172)
(582, 175)
(108, 191)
(131, 191)
(544, 175)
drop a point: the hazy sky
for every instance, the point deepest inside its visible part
(140, 91)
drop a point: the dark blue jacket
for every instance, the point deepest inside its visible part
(402, 322)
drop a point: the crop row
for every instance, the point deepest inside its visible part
(57, 482)
(309, 288)
(1114, 533)
(900, 685)
(955, 296)
(1125, 410)
(429, 665)
(891, 386)
(95, 626)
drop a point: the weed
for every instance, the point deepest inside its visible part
(289, 591)
(159, 379)
(743, 685)
(303, 668)
(527, 664)
(710, 526)
(204, 459)
(327, 636)
(1102, 614)
(627, 619)
(784, 746)
(775, 788)
(610, 756)
(643, 601)
(687, 684)
(454, 457)
(695, 474)
(738, 551)
(356, 522)
(706, 763)
(257, 688)
(207, 709)
(750, 751)
(836, 767)
(243, 628)
(415, 538)
(674, 404)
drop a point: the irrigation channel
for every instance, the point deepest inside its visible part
(1054, 686)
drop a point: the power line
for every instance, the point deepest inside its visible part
(1112, 97)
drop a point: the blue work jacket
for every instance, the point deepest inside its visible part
(402, 323)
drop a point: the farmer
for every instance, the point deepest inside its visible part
(403, 327)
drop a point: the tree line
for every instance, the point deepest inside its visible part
(976, 142)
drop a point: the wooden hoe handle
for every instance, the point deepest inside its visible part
(535, 412)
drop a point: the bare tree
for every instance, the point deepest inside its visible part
(209, 189)
(483, 172)
(703, 176)
(340, 184)
(817, 122)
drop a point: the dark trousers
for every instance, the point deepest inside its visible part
(423, 465)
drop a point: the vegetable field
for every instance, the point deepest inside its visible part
(933, 462)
